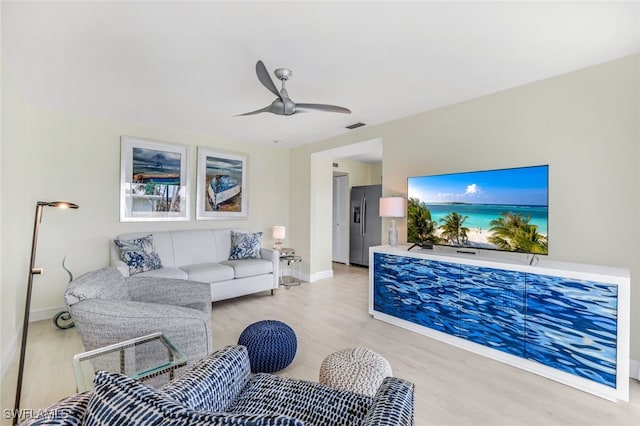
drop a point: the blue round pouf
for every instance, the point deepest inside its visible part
(271, 345)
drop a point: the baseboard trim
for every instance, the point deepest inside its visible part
(634, 369)
(320, 275)
(45, 314)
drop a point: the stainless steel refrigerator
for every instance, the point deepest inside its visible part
(365, 222)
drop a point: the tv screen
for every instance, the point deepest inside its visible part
(504, 209)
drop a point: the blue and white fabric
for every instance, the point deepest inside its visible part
(312, 403)
(263, 400)
(67, 412)
(393, 404)
(212, 383)
(139, 254)
(245, 245)
(120, 400)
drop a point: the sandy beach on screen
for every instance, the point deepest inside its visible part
(478, 238)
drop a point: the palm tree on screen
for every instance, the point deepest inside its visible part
(452, 229)
(421, 227)
(514, 232)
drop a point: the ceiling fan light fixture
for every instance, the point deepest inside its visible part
(283, 105)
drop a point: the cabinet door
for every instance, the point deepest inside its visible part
(492, 308)
(421, 291)
(571, 325)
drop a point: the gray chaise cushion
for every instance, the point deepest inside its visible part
(105, 283)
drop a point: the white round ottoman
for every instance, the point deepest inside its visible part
(359, 370)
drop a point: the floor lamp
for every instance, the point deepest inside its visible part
(32, 271)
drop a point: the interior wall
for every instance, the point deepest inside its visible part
(50, 155)
(584, 124)
(359, 173)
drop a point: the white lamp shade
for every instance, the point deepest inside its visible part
(392, 207)
(278, 232)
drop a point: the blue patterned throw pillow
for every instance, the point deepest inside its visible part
(139, 254)
(245, 245)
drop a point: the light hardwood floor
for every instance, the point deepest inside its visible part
(453, 387)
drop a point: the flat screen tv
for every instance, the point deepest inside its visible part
(504, 209)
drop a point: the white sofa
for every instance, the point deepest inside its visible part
(202, 255)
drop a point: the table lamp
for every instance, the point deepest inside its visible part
(393, 207)
(278, 233)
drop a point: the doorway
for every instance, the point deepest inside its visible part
(340, 242)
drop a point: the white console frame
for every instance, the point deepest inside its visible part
(542, 266)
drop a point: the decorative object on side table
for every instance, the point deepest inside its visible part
(271, 345)
(278, 233)
(393, 207)
(32, 271)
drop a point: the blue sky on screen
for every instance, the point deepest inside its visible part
(518, 186)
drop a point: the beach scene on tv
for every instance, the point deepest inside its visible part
(503, 209)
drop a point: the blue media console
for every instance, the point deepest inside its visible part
(567, 322)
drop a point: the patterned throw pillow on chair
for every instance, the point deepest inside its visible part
(245, 245)
(139, 254)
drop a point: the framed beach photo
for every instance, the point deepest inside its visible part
(154, 183)
(221, 190)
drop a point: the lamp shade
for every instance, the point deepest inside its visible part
(392, 207)
(278, 232)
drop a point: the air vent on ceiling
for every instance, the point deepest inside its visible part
(355, 126)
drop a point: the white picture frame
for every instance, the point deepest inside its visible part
(230, 172)
(154, 180)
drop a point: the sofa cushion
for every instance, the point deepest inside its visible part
(165, 273)
(105, 283)
(249, 267)
(310, 402)
(139, 254)
(208, 272)
(118, 399)
(245, 245)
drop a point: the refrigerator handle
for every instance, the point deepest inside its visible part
(364, 216)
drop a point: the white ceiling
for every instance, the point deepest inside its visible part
(191, 65)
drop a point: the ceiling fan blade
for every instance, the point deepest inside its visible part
(265, 79)
(321, 107)
(258, 111)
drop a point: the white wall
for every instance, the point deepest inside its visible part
(584, 124)
(49, 155)
(360, 173)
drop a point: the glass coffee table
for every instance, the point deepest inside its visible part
(145, 358)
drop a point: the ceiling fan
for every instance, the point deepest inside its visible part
(283, 105)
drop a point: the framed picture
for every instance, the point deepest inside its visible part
(154, 183)
(221, 185)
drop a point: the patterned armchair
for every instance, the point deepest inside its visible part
(219, 390)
